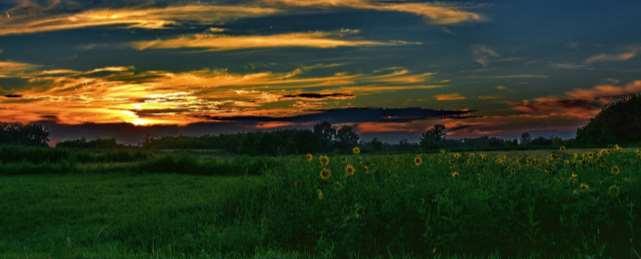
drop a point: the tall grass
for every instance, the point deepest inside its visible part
(28, 160)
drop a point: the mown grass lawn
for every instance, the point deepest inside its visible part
(107, 215)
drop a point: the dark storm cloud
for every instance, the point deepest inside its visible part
(319, 96)
(353, 115)
(13, 95)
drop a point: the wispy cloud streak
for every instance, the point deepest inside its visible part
(433, 13)
(627, 55)
(216, 42)
(147, 17)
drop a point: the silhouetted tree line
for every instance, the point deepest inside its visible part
(96, 143)
(435, 139)
(618, 123)
(323, 138)
(23, 135)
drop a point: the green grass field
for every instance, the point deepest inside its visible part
(153, 204)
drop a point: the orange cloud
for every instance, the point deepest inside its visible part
(544, 114)
(434, 13)
(121, 94)
(509, 125)
(217, 42)
(8, 68)
(392, 127)
(449, 97)
(147, 18)
(617, 57)
(582, 104)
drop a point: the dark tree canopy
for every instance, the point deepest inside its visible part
(526, 138)
(433, 138)
(618, 123)
(84, 143)
(325, 134)
(24, 135)
(347, 138)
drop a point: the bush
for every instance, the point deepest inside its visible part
(189, 164)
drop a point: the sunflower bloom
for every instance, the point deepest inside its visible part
(584, 187)
(324, 160)
(325, 174)
(309, 157)
(356, 150)
(615, 170)
(602, 152)
(455, 174)
(562, 149)
(350, 170)
(574, 177)
(418, 160)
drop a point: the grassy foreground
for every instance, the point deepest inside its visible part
(137, 204)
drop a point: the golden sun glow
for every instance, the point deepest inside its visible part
(107, 95)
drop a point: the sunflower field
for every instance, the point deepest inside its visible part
(550, 205)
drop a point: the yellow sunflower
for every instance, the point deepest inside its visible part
(615, 170)
(418, 160)
(584, 187)
(574, 177)
(455, 174)
(350, 170)
(617, 148)
(325, 174)
(603, 152)
(324, 160)
(309, 157)
(356, 150)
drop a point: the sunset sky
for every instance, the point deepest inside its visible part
(392, 68)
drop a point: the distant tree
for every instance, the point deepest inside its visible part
(376, 145)
(433, 138)
(96, 143)
(526, 138)
(27, 135)
(541, 142)
(347, 138)
(617, 123)
(326, 134)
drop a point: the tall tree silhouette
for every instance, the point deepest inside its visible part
(617, 123)
(347, 138)
(326, 134)
(433, 138)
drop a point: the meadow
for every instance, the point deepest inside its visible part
(136, 203)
